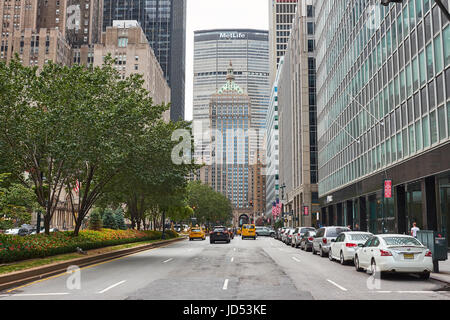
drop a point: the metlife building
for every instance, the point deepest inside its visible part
(248, 51)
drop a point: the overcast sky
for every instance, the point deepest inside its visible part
(218, 14)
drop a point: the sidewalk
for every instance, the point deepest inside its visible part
(444, 271)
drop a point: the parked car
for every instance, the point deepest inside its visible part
(322, 240)
(345, 245)
(394, 253)
(13, 231)
(306, 240)
(264, 231)
(284, 234)
(219, 233)
(298, 233)
(279, 233)
(289, 235)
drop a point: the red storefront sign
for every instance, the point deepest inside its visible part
(388, 188)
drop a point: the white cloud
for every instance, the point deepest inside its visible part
(218, 14)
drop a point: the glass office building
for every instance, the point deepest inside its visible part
(383, 100)
(164, 24)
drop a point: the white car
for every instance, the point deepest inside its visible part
(394, 253)
(345, 245)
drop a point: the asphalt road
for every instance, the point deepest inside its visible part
(261, 269)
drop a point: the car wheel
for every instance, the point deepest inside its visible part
(342, 260)
(322, 254)
(190, 239)
(330, 256)
(373, 270)
(425, 276)
(357, 267)
(210, 241)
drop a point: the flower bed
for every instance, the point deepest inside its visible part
(15, 248)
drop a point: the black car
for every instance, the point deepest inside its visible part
(219, 233)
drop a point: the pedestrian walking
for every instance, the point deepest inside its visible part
(357, 227)
(414, 230)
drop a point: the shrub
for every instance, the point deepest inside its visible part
(109, 220)
(95, 220)
(120, 221)
(15, 248)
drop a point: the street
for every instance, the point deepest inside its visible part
(261, 269)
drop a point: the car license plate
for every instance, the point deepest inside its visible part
(218, 233)
(409, 256)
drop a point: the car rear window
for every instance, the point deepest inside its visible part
(334, 232)
(402, 241)
(303, 230)
(219, 229)
(359, 236)
(249, 227)
(196, 230)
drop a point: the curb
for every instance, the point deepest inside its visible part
(18, 278)
(440, 278)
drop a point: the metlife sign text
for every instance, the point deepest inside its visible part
(232, 35)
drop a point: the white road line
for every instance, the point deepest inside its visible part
(225, 285)
(334, 283)
(381, 291)
(168, 260)
(232, 259)
(295, 259)
(110, 287)
(34, 294)
(234, 249)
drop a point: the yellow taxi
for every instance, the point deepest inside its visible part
(248, 231)
(196, 233)
(238, 231)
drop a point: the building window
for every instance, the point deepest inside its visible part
(122, 42)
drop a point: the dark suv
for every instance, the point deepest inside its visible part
(322, 240)
(219, 233)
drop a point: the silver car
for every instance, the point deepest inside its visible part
(322, 240)
(298, 234)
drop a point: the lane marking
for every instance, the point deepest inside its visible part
(34, 294)
(84, 268)
(234, 249)
(295, 259)
(334, 283)
(381, 291)
(225, 285)
(232, 259)
(112, 286)
(168, 260)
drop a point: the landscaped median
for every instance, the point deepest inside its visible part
(15, 248)
(112, 243)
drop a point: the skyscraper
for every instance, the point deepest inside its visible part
(230, 119)
(297, 122)
(213, 51)
(164, 24)
(383, 83)
(281, 15)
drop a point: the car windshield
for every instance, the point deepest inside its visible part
(402, 241)
(359, 236)
(334, 232)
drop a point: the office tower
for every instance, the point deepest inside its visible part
(281, 15)
(272, 146)
(213, 50)
(164, 24)
(126, 42)
(297, 123)
(230, 119)
(384, 114)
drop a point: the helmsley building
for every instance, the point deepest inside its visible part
(383, 97)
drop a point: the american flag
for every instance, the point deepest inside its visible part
(77, 186)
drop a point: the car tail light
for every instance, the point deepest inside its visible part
(324, 240)
(385, 253)
(310, 238)
(351, 245)
(428, 254)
